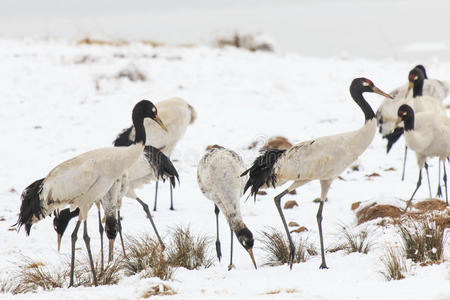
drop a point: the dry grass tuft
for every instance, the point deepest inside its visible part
(276, 247)
(374, 211)
(395, 264)
(159, 290)
(91, 41)
(246, 41)
(422, 238)
(353, 241)
(189, 251)
(145, 256)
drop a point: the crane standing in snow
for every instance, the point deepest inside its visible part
(218, 178)
(428, 135)
(80, 181)
(177, 115)
(428, 95)
(152, 165)
(321, 159)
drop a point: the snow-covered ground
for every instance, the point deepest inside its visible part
(59, 100)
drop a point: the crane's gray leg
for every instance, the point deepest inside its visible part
(149, 216)
(72, 260)
(87, 240)
(101, 230)
(156, 195)
(428, 177)
(171, 197)
(419, 182)
(325, 186)
(445, 182)
(218, 250)
(439, 190)
(277, 200)
(230, 266)
(404, 163)
(120, 232)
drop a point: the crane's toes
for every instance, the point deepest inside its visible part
(231, 266)
(323, 266)
(439, 192)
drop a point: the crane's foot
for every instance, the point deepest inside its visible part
(323, 266)
(231, 266)
(439, 192)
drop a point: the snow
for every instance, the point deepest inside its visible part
(59, 99)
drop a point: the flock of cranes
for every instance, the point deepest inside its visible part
(141, 154)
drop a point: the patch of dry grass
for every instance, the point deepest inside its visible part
(276, 247)
(189, 251)
(352, 241)
(395, 263)
(145, 256)
(422, 238)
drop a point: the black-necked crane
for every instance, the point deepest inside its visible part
(80, 181)
(152, 165)
(428, 135)
(387, 111)
(323, 159)
(420, 101)
(218, 177)
(177, 115)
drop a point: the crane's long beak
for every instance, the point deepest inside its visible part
(59, 241)
(410, 86)
(250, 252)
(399, 119)
(158, 120)
(111, 250)
(378, 91)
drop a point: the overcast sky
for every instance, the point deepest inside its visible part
(369, 28)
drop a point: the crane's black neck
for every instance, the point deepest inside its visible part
(418, 87)
(359, 99)
(140, 136)
(409, 122)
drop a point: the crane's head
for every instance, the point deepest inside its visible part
(363, 85)
(60, 222)
(245, 238)
(422, 68)
(405, 113)
(415, 77)
(145, 109)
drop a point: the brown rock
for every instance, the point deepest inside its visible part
(374, 174)
(389, 169)
(375, 210)
(292, 224)
(300, 229)
(277, 142)
(356, 205)
(293, 192)
(430, 205)
(261, 193)
(290, 204)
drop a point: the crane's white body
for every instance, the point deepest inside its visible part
(430, 137)
(86, 178)
(218, 177)
(324, 158)
(139, 174)
(434, 92)
(176, 114)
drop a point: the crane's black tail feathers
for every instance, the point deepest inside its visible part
(261, 172)
(31, 205)
(123, 139)
(162, 164)
(393, 137)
